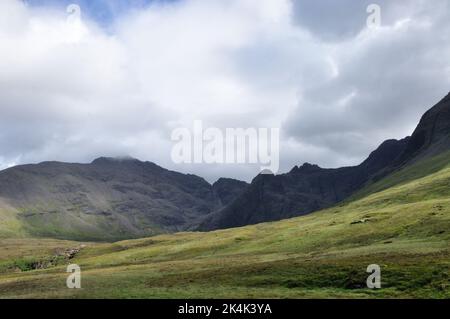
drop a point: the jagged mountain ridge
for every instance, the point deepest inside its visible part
(111, 199)
(431, 136)
(228, 189)
(309, 188)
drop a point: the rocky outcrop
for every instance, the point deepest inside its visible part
(309, 188)
(121, 198)
(227, 190)
(109, 199)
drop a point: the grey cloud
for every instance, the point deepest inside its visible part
(336, 21)
(258, 65)
(389, 79)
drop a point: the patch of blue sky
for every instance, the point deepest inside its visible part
(104, 12)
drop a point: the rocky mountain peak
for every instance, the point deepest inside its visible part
(432, 135)
(114, 160)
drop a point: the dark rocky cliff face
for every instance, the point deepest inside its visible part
(110, 198)
(432, 135)
(303, 190)
(227, 190)
(309, 188)
(122, 198)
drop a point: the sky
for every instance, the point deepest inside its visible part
(120, 79)
(103, 12)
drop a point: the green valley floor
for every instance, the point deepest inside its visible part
(405, 229)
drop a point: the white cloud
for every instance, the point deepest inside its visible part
(74, 92)
(393, 75)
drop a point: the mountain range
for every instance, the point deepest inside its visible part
(108, 199)
(310, 188)
(120, 198)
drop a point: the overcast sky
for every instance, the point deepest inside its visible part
(118, 82)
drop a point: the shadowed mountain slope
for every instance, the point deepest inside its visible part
(432, 135)
(309, 188)
(404, 229)
(111, 199)
(107, 199)
(227, 190)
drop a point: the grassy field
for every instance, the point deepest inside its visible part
(405, 229)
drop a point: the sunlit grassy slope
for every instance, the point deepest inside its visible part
(405, 229)
(412, 172)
